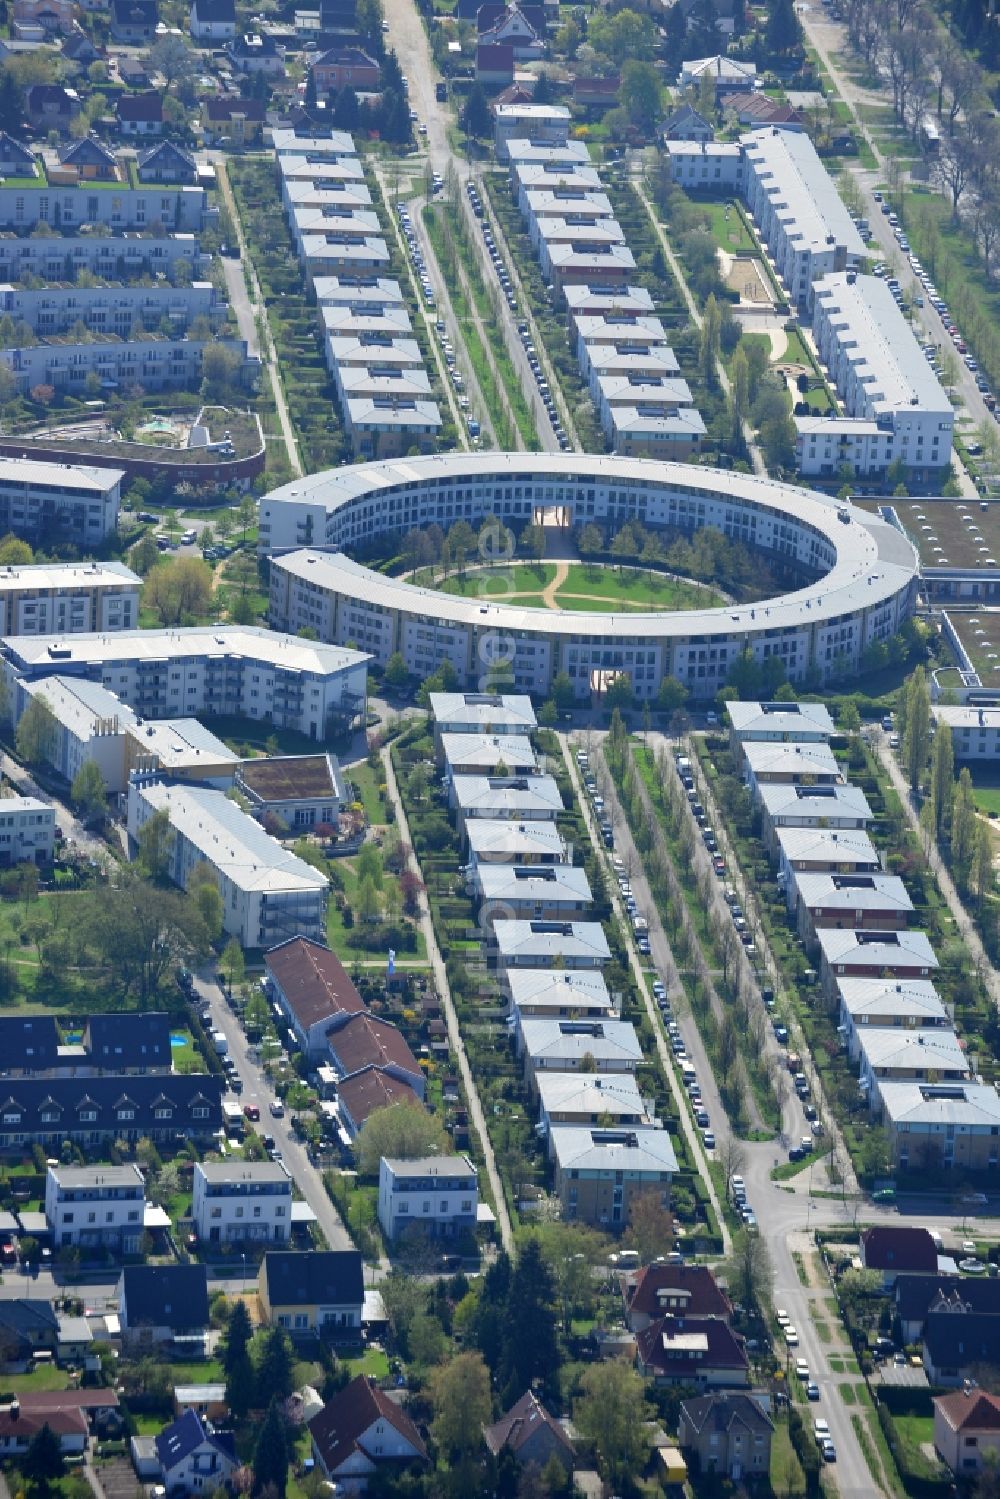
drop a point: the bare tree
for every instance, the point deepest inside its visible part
(732, 1157)
(960, 79)
(957, 163)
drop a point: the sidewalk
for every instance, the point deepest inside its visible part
(454, 1034)
(966, 927)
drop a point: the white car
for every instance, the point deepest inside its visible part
(802, 1370)
(277, 1108)
(791, 1337)
(821, 1430)
(782, 1318)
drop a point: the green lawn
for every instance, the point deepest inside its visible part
(337, 933)
(913, 1433)
(728, 228)
(595, 587)
(373, 1362)
(787, 1478)
(497, 582)
(366, 783)
(45, 1377)
(986, 788)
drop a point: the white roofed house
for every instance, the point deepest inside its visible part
(893, 1056)
(481, 713)
(522, 843)
(599, 1170)
(802, 723)
(806, 806)
(537, 944)
(860, 902)
(907, 1004)
(813, 764)
(487, 754)
(579, 1099)
(822, 851)
(937, 1124)
(582, 1046)
(854, 954)
(556, 994)
(550, 892)
(268, 894)
(520, 799)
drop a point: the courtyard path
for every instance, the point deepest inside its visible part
(551, 589)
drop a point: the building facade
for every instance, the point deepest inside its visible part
(95, 1207)
(237, 1201)
(439, 1194)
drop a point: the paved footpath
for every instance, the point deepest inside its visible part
(451, 1016)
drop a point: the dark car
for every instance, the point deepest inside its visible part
(796, 1153)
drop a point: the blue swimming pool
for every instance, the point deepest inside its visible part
(178, 1038)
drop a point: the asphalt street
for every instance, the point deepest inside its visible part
(409, 40)
(256, 1090)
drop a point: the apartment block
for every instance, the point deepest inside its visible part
(119, 257)
(27, 831)
(879, 369)
(438, 1194)
(799, 214)
(95, 1207)
(268, 894)
(118, 309)
(975, 732)
(55, 501)
(239, 1201)
(155, 363)
(68, 598)
(223, 669)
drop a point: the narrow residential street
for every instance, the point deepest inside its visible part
(409, 40)
(688, 1129)
(256, 1090)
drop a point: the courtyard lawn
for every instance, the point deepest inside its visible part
(601, 588)
(45, 1377)
(373, 1362)
(647, 590)
(728, 229)
(366, 783)
(986, 788)
(337, 933)
(499, 582)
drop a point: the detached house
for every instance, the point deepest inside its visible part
(166, 162)
(49, 106)
(361, 1431)
(163, 1303)
(318, 1292)
(193, 1457)
(684, 1350)
(967, 1429)
(134, 22)
(891, 1250)
(529, 1432)
(140, 114)
(728, 1433)
(213, 20)
(658, 1290)
(345, 67)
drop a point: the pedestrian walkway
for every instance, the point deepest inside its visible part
(451, 1017)
(966, 926)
